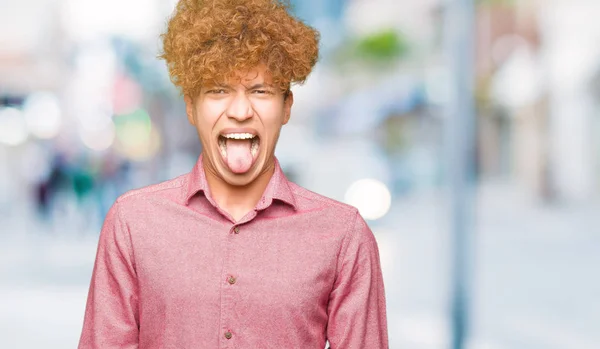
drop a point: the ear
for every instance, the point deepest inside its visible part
(287, 107)
(189, 109)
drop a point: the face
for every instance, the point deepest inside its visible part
(238, 125)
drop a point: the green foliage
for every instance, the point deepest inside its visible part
(385, 45)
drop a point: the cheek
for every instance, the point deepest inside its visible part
(271, 114)
(208, 117)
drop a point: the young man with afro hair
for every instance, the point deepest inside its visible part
(232, 254)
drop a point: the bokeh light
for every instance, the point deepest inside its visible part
(371, 197)
(43, 115)
(137, 139)
(13, 129)
(98, 139)
(95, 120)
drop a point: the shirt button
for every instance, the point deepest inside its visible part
(228, 335)
(231, 280)
(236, 230)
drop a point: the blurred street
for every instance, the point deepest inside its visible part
(88, 112)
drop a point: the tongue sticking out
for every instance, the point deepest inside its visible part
(239, 155)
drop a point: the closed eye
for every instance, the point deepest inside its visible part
(262, 92)
(217, 91)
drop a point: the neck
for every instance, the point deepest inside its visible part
(238, 200)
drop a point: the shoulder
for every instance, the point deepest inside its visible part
(308, 200)
(168, 190)
(356, 239)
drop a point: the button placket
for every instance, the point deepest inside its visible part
(227, 297)
(231, 280)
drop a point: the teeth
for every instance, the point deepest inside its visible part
(239, 136)
(254, 148)
(223, 147)
(223, 144)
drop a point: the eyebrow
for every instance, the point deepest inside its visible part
(259, 85)
(255, 86)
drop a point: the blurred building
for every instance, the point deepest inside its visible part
(537, 117)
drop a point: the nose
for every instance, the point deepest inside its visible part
(240, 107)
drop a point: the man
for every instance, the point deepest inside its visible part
(232, 254)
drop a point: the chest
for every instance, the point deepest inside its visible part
(262, 266)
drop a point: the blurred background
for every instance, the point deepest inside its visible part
(87, 112)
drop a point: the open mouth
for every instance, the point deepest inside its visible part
(239, 150)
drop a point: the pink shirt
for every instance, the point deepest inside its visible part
(174, 271)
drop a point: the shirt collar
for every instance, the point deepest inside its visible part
(277, 189)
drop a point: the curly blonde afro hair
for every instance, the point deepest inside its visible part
(212, 41)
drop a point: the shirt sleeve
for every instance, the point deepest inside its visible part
(111, 316)
(357, 313)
